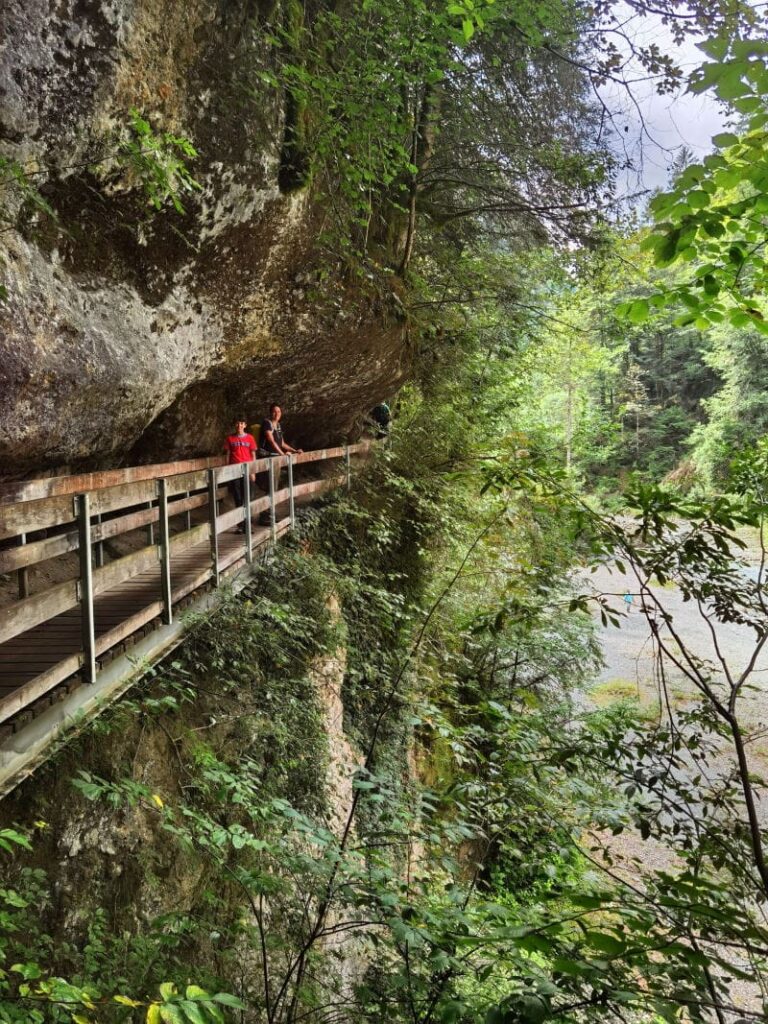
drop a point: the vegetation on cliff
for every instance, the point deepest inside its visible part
(371, 787)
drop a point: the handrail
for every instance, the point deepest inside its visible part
(130, 498)
(22, 491)
(55, 486)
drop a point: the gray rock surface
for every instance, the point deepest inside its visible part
(133, 337)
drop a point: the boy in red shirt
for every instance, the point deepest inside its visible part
(240, 447)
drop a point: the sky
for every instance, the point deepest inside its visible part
(658, 126)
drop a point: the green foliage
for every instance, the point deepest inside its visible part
(372, 101)
(16, 180)
(465, 861)
(10, 838)
(719, 879)
(31, 992)
(341, 76)
(158, 163)
(713, 216)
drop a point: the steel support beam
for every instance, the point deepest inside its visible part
(247, 509)
(164, 550)
(291, 504)
(87, 622)
(212, 519)
(274, 467)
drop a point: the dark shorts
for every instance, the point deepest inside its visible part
(262, 479)
(237, 490)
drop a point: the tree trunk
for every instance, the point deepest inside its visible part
(422, 145)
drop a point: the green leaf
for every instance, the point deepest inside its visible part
(638, 311)
(28, 971)
(228, 1000)
(574, 968)
(738, 318)
(9, 837)
(193, 1012)
(170, 1013)
(716, 48)
(730, 86)
(711, 286)
(12, 899)
(684, 320)
(195, 992)
(451, 1011)
(698, 199)
(125, 1001)
(667, 251)
(713, 228)
(723, 139)
(605, 943)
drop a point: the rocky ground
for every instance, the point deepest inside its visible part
(630, 673)
(629, 670)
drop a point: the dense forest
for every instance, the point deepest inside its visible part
(380, 783)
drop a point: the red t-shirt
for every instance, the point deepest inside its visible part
(240, 447)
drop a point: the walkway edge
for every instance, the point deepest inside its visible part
(22, 752)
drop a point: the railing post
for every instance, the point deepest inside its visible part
(212, 514)
(23, 573)
(247, 504)
(274, 464)
(85, 586)
(187, 514)
(291, 505)
(150, 528)
(98, 547)
(348, 464)
(164, 550)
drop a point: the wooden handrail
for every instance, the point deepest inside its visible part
(55, 486)
(20, 491)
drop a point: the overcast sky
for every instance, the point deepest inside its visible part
(670, 121)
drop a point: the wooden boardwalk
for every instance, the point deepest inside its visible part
(57, 638)
(30, 660)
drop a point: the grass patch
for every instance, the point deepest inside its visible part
(645, 706)
(668, 585)
(613, 690)
(644, 700)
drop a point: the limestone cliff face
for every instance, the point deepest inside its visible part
(127, 337)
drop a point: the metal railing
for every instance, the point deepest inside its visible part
(52, 518)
